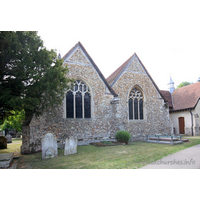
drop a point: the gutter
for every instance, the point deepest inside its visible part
(191, 121)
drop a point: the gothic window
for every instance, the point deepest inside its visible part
(136, 104)
(78, 101)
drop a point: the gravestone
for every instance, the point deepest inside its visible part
(9, 138)
(49, 146)
(3, 142)
(70, 146)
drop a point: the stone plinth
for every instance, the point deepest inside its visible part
(6, 160)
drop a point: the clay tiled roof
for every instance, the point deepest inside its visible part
(186, 97)
(168, 97)
(117, 73)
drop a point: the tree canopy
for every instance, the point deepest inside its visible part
(32, 78)
(182, 84)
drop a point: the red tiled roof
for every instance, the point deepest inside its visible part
(113, 77)
(186, 97)
(115, 74)
(168, 97)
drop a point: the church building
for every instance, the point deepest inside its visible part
(95, 108)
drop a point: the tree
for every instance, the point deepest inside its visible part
(31, 77)
(198, 79)
(182, 84)
(14, 121)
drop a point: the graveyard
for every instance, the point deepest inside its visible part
(131, 156)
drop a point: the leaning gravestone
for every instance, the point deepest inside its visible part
(3, 142)
(49, 146)
(9, 138)
(70, 146)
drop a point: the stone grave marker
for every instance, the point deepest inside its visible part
(9, 138)
(49, 146)
(3, 142)
(70, 146)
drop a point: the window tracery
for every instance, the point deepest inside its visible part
(136, 104)
(78, 101)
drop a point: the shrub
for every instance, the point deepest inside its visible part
(123, 136)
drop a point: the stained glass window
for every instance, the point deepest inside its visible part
(78, 101)
(136, 104)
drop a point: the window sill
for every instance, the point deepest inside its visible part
(137, 121)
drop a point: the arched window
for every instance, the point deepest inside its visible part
(136, 104)
(78, 101)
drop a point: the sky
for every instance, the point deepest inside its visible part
(164, 34)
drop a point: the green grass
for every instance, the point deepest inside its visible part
(131, 156)
(13, 147)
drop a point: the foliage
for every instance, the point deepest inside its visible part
(14, 121)
(198, 79)
(123, 136)
(182, 84)
(31, 77)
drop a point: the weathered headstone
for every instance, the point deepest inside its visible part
(3, 142)
(49, 146)
(18, 135)
(9, 138)
(70, 146)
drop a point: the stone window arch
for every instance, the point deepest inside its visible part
(78, 101)
(136, 104)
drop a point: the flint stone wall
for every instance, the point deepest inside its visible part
(108, 114)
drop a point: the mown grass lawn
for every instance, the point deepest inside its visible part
(131, 156)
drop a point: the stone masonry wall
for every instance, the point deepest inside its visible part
(156, 114)
(106, 117)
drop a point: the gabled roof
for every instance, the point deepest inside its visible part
(168, 97)
(93, 64)
(119, 71)
(186, 97)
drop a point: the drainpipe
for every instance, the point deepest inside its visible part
(191, 120)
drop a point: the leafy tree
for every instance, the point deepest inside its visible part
(31, 77)
(182, 84)
(14, 121)
(198, 79)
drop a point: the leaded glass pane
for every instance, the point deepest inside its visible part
(130, 109)
(136, 108)
(70, 104)
(78, 99)
(141, 108)
(80, 88)
(76, 87)
(87, 105)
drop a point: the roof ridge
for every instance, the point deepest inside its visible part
(115, 74)
(94, 65)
